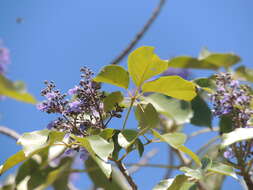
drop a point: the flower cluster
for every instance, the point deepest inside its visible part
(233, 100)
(82, 112)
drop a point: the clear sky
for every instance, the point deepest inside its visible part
(57, 37)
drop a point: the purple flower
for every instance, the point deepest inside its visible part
(228, 153)
(42, 106)
(69, 151)
(74, 106)
(51, 125)
(73, 91)
(51, 95)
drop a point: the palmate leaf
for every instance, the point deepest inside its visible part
(173, 86)
(223, 169)
(144, 64)
(113, 74)
(15, 90)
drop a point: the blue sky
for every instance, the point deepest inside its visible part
(57, 37)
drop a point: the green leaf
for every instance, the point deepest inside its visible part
(225, 124)
(15, 90)
(139, 146)
(111, 100)
(239, 134)
(178, 110)
(223, 59)
(144, 64)
(38, 140)
(176, 140)
(191, 63)
(116, 182)
(223, 169)
(12, 161)
(113, 74)
(202, 114)
(127, 137)
(147, 116)
(178, 183)
(100, 146)
(173, 86)
(107, 133)
(207, 60)
(195, 174)
(244, 73)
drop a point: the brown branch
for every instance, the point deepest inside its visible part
(126, 175)
(140, 34)
(9, 132)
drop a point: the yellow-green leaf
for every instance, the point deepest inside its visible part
(15, 90)
(173, 86)
(144, 64)
(113, 74)
(12, 161)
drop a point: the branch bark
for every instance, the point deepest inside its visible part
(126, 175)
(9, 132)
(140, 34)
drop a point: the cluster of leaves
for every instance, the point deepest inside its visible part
(162, 105)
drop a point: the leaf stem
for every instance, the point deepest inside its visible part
(128, 112)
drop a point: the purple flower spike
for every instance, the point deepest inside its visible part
(51, 125)
(42, 106)
(73, 91)
(50, 95)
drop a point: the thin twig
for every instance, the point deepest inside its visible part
(126, 175)
(202, 131)
(171, 160)
(140, 34)
(144, 160)
(9, 132)
(154, 165)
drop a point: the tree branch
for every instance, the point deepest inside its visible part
(126, 175)
(140, 34)
(9, 132)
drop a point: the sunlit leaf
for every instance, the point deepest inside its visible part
(173, 86)
(178, 110)
(237, 135)
(127, 138)
(144, 64)
(12, 161)
(100, 146)
(107, 133)
(147, 116)
(191, 63)
(176, 140)
(111, 100)
(113, 74)
(15, 91)
(117, 181)
(178, 183)
(244, 73)
(223, 169)
(192, 173)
